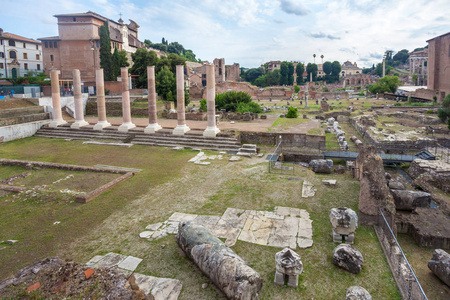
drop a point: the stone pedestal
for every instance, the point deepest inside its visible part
(56, 101)
(211, 129)
(345, 222)
(78, 101)
(153, 125)
(126, 110)
(181, 128)
(101, 106)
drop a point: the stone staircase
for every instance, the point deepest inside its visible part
(22, 115)
(164, 138)
(247, 150)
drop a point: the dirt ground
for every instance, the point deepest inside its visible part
(14, 103)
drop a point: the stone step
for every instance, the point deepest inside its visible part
(189, 146)
(193, 141)
(249, 146)
(247, 150)
(73, 135)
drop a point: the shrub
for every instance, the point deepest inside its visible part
(249, 107)
(292, 112)
(430, 112)
(203, 106)
(444, 112)
(361, 93)
(325, 89)
(230, 100)
(296, 89)
(397, 104)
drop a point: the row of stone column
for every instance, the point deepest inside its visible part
(127, 124)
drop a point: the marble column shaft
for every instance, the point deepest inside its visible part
(101, 105)
(78, 101)
(126, 109)
(181, 115)
(211, 129)
(56, 100)
(153, 125)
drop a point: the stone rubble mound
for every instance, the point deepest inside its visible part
(347, 257)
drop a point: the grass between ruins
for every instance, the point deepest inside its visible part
(112, 222)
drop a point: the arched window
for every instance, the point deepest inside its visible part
(12, 54)
(12, 43)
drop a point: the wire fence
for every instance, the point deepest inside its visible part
(407, 281)
(276, 163)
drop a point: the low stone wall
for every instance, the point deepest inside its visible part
(300, 157)
(16, 112)
(84, 198)
(272, 138)
(20, 131)
(196, 116)
(24, 119)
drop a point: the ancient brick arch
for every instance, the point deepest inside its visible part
(359, 79)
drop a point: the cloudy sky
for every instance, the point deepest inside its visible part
(251, 32)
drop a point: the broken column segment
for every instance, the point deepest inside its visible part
(321, 165)
(440, 265)
(347, 257)
(345, 222)
(226, 269)
(288, 267)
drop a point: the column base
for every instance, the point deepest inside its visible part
(56, 123)
(101, 124)
(181, 130)
(152, 128)
(126, 126)
(79, 124)
(211, 131)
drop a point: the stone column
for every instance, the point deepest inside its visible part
(101, 106)
(56, 101)
(181, 128)
(211, 129)
(153, 125)
(78, 101)
(384, 67)
(126, 110)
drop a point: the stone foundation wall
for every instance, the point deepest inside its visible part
(299, 157)
(272, 138)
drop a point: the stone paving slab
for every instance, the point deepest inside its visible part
(130, 263)
(110, 260)
(160, 288)
(308, 189)
(283, 227)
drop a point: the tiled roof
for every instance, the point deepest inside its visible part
(18, 38)
(50, 38)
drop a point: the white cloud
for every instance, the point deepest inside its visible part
(293, 7)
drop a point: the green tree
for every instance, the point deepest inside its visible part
(311, 69)
(387, 84)
(284, 72)
(414, 78)
(230, 100)
(273, 78)
(291, 73)
(292, 112)
(299, 69)
(105, 52)
(141, 59)
(444, 111)
(327, 68)
(401, 57)
(261, 81)
(119, 60)
(166, 84)
(335, 70)
(296, 89)
(252, 74)
(203, 105)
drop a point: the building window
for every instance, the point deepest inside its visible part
(2, 55)
(38, 67)
(25, 66)
(46, 44)
(1, 66)
(11, 43)
(37, 47)
(25, 56)
(12, 54)
(51, 44)
(97, 43)
(55, 45)
(24, 45)
(74, 19)
(51, 57)
(37, 57)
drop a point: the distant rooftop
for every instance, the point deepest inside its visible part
(7, 35)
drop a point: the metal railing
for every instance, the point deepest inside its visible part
(406, 279)
(276, 163)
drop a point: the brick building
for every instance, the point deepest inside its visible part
(19, 56)
(439, 65)
(78, 43)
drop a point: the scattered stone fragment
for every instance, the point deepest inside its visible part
(321, 165)
(145, 234)
(235, 158)
(396, 185)
(177, 148)
(260, 155)
(345, 222)
(88, 273)
(339, 170)
(204, 286)
(408, 200)
(56, 222)
(440, 265)
(288, 267)
(222, 152)
(357, 293)
(307, 189)
(331, 182)
(11, 242)
(347, 257)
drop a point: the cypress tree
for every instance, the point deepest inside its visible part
(105, 52)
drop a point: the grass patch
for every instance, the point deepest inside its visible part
(286, 123)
